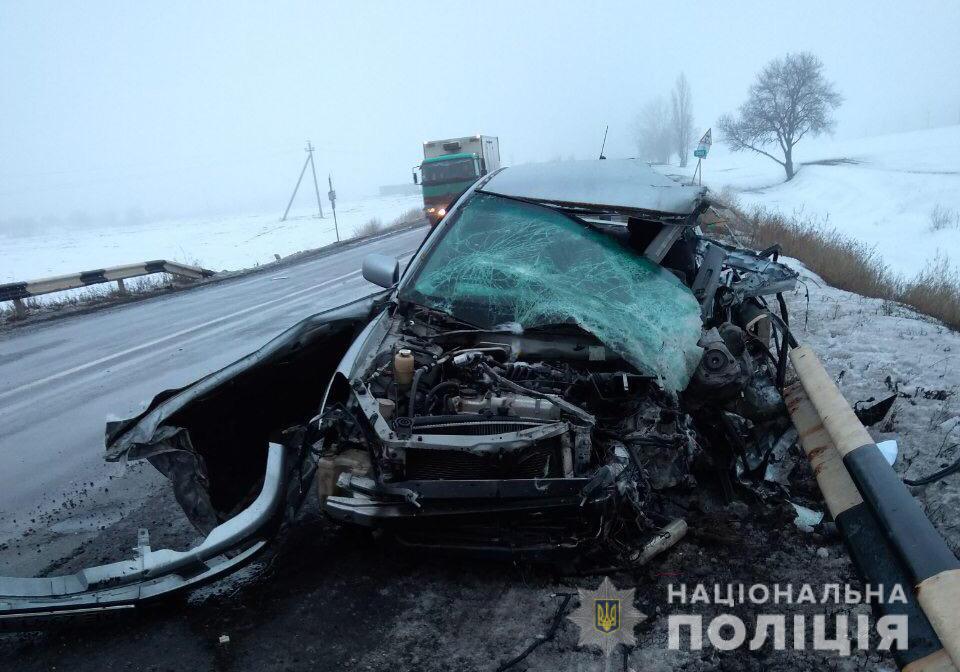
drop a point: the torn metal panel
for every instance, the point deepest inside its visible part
(537, 383)
(669, 234)
(708, 277)
(210, 438)
(151, 574)
(758, 274)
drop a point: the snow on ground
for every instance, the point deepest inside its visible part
(879, 190)
(877, 348)
(218, 243)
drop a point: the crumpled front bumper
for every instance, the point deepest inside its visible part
(530, 517)
(375, 503)
(150, 574)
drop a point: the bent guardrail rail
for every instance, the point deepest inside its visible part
(18, 291)
(890, 537)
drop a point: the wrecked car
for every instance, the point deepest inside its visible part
(565, 346)
(564, 351)
(562, 348)
(544, 368)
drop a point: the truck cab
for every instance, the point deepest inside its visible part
(449, 167)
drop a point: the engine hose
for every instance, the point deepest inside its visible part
(782, 359)
(413, 389)
(786, 330)
(936, 476)
(783, 308)
(436, 389)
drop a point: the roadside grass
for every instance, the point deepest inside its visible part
(943, 218)
(103, 293)
(371, 227)
(849, 264)
(375, 225)
(936, 291)
(841, 261)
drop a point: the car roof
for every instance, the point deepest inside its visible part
(627, 184)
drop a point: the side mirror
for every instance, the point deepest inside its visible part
(415, 177)
(381, 270)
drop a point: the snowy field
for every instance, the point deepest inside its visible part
(217, 243)
(879, 190)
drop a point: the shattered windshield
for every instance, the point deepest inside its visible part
(507, 261)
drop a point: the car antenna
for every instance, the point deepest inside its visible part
(605, 129)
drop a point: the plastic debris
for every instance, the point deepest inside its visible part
(890, 450)
(806, 518)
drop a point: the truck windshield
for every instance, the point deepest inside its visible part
(455, 170)
(505, 261)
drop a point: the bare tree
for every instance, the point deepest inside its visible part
(681, 118)
(653, 132)
(790, 99)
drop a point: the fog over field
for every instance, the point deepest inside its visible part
(130, 112)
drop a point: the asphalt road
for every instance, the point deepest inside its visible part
(61, 380)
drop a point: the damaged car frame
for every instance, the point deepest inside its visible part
(565, 349)
(564, 346)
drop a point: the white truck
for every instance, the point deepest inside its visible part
(450, 166)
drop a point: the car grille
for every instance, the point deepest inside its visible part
(533, 462)
(472, 425)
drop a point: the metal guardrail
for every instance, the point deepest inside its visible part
(17, 291)
(868, 493)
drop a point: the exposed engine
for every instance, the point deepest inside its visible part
(448, 415)
(514, 419)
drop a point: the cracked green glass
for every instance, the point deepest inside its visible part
(505, 261)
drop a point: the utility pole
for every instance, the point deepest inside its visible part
(332, 195)
(313, 169)
(309, 160)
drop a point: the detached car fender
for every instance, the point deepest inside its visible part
(149, 575)
(210, 438)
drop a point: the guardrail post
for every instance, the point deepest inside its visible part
(121, 288)
(20, 310)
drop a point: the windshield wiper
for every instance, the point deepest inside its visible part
(516, 329)
(560, 328)
(443, 315)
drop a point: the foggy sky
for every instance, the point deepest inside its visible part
(174, 108)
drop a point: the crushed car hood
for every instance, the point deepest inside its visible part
(625, 184)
